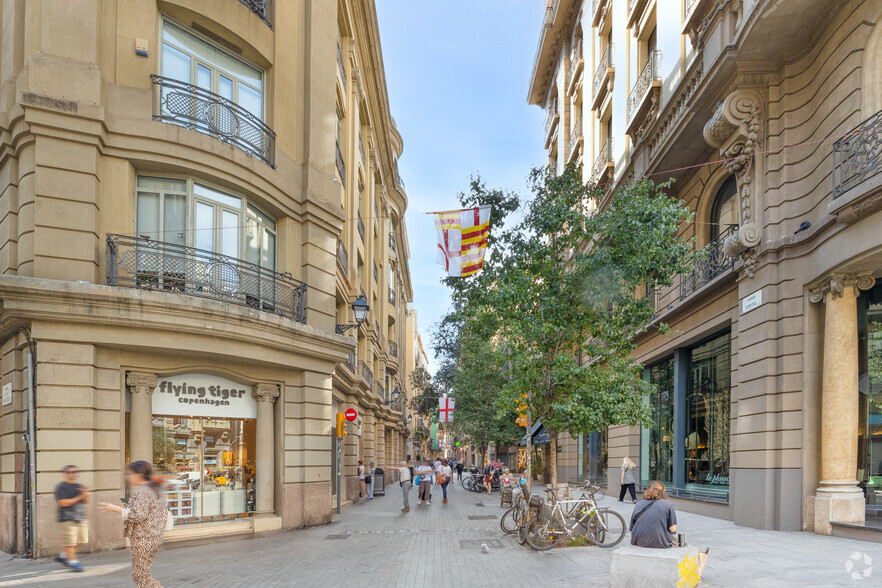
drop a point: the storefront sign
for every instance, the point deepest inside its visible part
(203, 395)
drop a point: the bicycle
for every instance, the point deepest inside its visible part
(566, 519)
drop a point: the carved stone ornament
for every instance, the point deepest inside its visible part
(141, 382)
(837, 283)
(747, 237)
(265, 392)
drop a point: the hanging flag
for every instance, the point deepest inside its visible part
(462, 239)
(445, 410)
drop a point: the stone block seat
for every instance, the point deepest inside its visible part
(635, 567)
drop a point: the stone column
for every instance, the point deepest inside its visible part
(264, 491)
(838, 497)
(141, 385)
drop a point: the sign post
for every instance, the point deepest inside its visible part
(339, 470)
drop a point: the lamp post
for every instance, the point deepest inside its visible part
(360, 308)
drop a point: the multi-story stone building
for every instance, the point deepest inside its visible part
(767, 116)
(192, 197)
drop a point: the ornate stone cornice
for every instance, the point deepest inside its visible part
(836, 284)
(141, 382)
(265, 392)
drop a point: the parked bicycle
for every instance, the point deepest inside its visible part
(571, 518)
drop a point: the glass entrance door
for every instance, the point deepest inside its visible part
(208, 466)
(869, 467)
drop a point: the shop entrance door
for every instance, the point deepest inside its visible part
(208, 465)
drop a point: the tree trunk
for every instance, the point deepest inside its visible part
(483, 457)
(552, 459)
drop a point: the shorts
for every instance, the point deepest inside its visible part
(74, 533)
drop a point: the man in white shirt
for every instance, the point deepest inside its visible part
(406, 482)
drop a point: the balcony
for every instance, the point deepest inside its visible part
(711, 262)
(392, 296)
(601, 173)
(575, 140)
(599, 8)
(262, 8)
(381, 392)
(393, 348)
(360, 227)
(648, 83)
(343, 257)
(351, 361)
(139, 262)
(635, 11)
(397, 405)
(400, 182)
(601, 87)
(392, 245)
(694, 22)
(341, 165)
(551, 120)
(341, 69)
(577, 65)
(858, 155)
(366, 374)
(182, 104)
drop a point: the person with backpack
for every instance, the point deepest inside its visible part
(459, 468)
(488, 477)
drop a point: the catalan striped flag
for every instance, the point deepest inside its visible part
(462, 239)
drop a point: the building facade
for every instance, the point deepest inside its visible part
(193, 195)
(766, 115)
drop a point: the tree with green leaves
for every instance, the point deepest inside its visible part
(564, 296)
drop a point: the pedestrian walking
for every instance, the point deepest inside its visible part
(405, 480)
(362, 492)
(628, 481)
(425, 492)
(444, 474)
(144, 518)
(369, 480)
(488, 478)
(459, 468)
(71, 498)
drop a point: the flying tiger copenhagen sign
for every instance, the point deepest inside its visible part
(203, 395)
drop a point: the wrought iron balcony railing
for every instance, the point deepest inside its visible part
(341, 67)
(392, 244)
(606, 61)
(603, 159)
(551, 116)
(341, 165)
(381, 392)
(690, 4)
(575, 61)
(397, 405)
(351, 361)
(262, 8)
(575, 135)
(858, 155)
(393, 348)
(392, 296)
(360, 227)
(708, 264)
(651, 72)
(366, 373)
(342, 256)
(139, 262)
(189, 106)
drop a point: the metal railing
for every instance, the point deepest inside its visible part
(360, 227)
(397, 405)
(575, 135)
(606, 61)
(690, 4)
(550, 116)
(392, 296)
(262, 8)
(707, 264)
(392, 244)
(400, 182)
(651, 72)
(575, 58)
(366, 373)
(189, 106)
(340, 66)
(381, 392)
(341, 165)
(139, 262)
(351, 361)
(603, 159)
(858, 155)
(342, 255)
(393, 348)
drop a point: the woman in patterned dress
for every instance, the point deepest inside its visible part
(144, 520)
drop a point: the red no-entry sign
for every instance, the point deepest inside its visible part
(350, 414)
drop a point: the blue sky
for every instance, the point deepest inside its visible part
(457, 74)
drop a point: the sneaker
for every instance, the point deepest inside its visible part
(76, 566)
(405, 510)
(60, 558)
(633, 502)
(419, 502)
(428, 503)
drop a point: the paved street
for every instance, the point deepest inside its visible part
(374, 544)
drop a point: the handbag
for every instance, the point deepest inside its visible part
(367, 479)
(416, 480)
(442, 478)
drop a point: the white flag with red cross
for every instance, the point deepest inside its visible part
(445, 410)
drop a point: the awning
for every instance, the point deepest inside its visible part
(539, 434)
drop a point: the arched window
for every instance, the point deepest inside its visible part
(724, 213)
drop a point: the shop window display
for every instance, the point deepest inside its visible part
(657, 439)
(869, 467)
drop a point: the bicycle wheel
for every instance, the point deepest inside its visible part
(606, 528)
(524, 519)
(542, 535)
(467, 483)
(509, 521)
(477, 485)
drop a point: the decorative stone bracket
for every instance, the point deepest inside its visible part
(734, 129)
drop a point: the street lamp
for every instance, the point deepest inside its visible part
(395, 394)
(360, 308)
(409, 419)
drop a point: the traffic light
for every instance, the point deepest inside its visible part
(341, 429)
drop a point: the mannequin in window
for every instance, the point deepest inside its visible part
(724, 213)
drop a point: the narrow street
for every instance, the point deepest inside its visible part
(374, 544)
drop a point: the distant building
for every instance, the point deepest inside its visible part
(767, 115)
